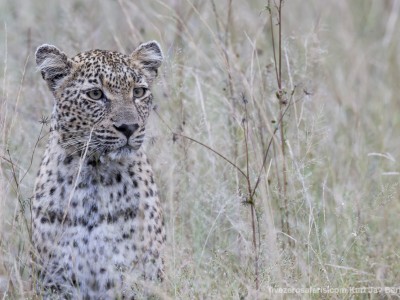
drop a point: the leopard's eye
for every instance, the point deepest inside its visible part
(95, 94)
(138, 92)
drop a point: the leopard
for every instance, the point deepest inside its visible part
(97, 221)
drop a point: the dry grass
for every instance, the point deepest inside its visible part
(335, 222)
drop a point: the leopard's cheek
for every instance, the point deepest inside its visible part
(91, 112)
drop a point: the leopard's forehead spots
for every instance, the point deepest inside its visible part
(104, 57)
(113, 69)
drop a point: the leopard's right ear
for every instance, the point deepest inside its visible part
(53, 64)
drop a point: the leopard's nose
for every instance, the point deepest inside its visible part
(127, 129)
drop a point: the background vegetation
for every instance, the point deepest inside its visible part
(326, 209)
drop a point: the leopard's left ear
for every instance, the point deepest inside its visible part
(150, 56)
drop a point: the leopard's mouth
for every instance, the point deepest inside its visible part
(129, 147)
(122, 152)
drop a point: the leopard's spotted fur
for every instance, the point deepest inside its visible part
(97, 218)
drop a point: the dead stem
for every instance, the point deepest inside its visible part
(282, 103)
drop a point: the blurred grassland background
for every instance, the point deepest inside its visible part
(337, 222)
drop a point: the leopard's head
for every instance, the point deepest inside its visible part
(102, 98)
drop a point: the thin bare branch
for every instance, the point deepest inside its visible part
(201, 144)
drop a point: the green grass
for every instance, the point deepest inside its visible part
(340, 136)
